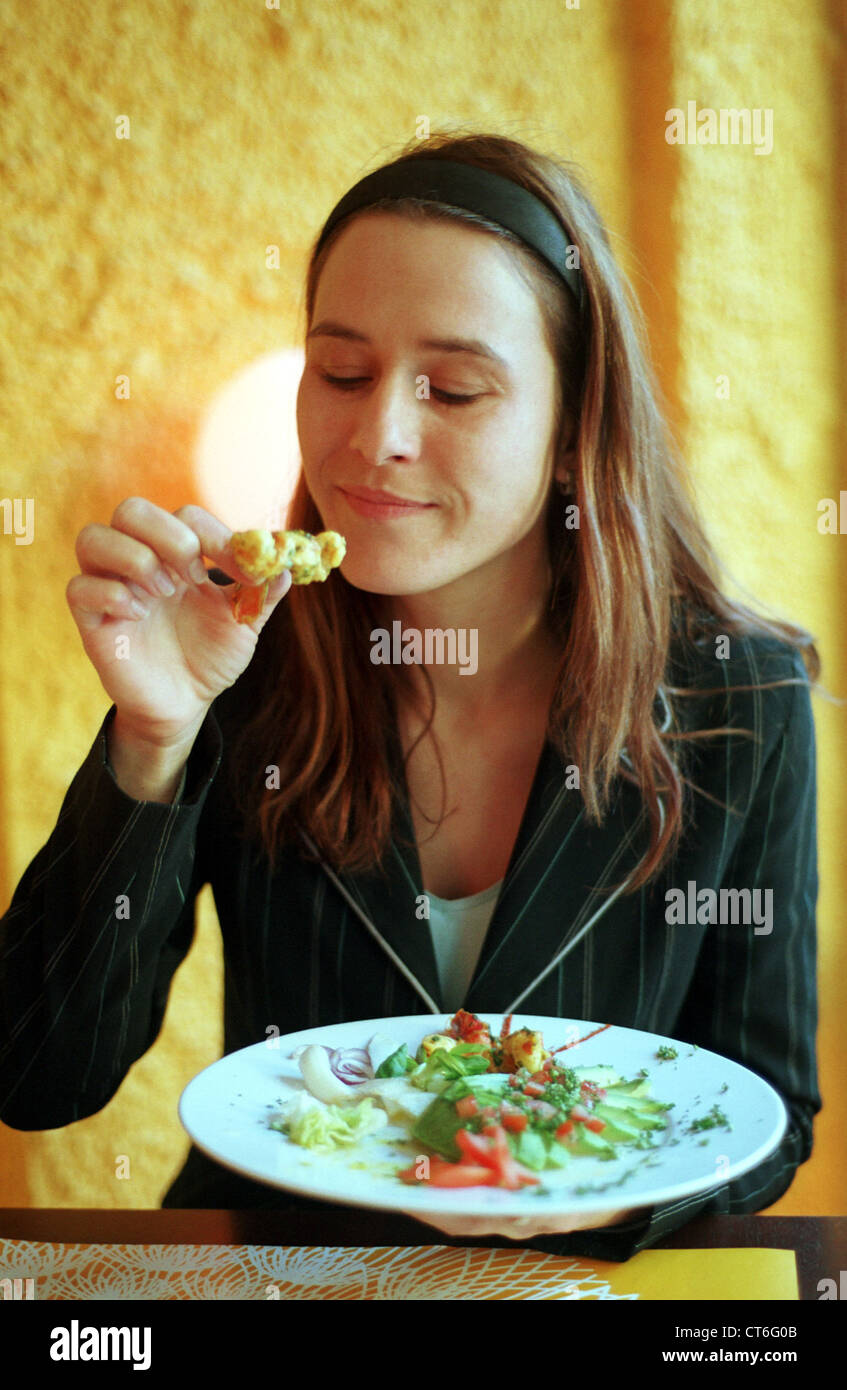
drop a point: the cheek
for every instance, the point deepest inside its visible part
(507, 463)
(317, 430)
(308, 416)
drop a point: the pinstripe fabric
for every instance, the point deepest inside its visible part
(83, 991)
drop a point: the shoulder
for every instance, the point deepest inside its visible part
(752, 679)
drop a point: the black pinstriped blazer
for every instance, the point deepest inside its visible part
(82, 993)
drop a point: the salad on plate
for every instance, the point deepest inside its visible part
(480, 1110)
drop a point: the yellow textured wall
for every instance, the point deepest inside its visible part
(146, 256)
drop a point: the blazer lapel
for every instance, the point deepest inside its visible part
(560, 878)
(390, 903)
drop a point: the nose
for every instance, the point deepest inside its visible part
(386, 426)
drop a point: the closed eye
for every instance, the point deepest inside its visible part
(349, 383)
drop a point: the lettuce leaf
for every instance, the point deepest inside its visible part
(326, 1128)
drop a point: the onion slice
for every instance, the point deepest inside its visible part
(351, 1064)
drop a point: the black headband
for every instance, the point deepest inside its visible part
(475, 190)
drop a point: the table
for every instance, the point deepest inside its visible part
(819, 1242)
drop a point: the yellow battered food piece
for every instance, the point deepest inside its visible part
(525, 1049)
(264, 554)
(434, 1042)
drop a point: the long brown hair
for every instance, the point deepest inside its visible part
(636, 570)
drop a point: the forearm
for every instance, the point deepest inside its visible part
(98, 925)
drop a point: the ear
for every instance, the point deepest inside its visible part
(564, 468)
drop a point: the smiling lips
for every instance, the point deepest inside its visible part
(368, 502)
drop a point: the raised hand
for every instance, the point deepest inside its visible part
(160, 634)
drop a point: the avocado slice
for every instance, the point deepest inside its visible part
(600, 1075)
(531, 1150)
(619, 1127)
(589, 1144)
(634, 1088)
(635, 1105)
(437, 1126)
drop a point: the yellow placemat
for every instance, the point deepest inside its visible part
(88, 1272)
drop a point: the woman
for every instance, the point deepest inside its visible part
(478, 420)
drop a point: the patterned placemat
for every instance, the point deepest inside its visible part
(32, 1269)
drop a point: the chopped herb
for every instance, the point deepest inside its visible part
(585, 1189)
(715, 1117)
(667, 1054)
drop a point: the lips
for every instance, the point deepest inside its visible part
(375, 505)
(385, 499)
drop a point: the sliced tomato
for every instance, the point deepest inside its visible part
(444, 1174)
(565, 1129)
(469, 1029)
(578, 1112)
(594, 1123)
(474, 1147)
(515, 1122)
(466, 1107)
(510, 1173)
(533, 1088)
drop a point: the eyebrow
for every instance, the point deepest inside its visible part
(328, 328)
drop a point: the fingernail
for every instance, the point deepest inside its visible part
(139, 610)
(197, 570)
(163, 583)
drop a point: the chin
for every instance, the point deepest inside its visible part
(396, 579)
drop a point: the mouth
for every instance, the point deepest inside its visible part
(369, 502)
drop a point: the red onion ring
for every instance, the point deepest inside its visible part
(350, 1064)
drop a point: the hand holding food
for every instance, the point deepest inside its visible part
(262, 555)
(159, 633)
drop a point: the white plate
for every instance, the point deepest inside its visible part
(226, 1110)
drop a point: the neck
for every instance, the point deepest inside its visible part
(505, 648)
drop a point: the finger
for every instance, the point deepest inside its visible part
(179, 539)
(512, 1227)
(458, 1226)
(92, 598)
(214, 538)
(104, 551)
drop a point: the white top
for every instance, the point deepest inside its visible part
(458, 928)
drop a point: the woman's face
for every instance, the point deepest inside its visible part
(426, 409)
